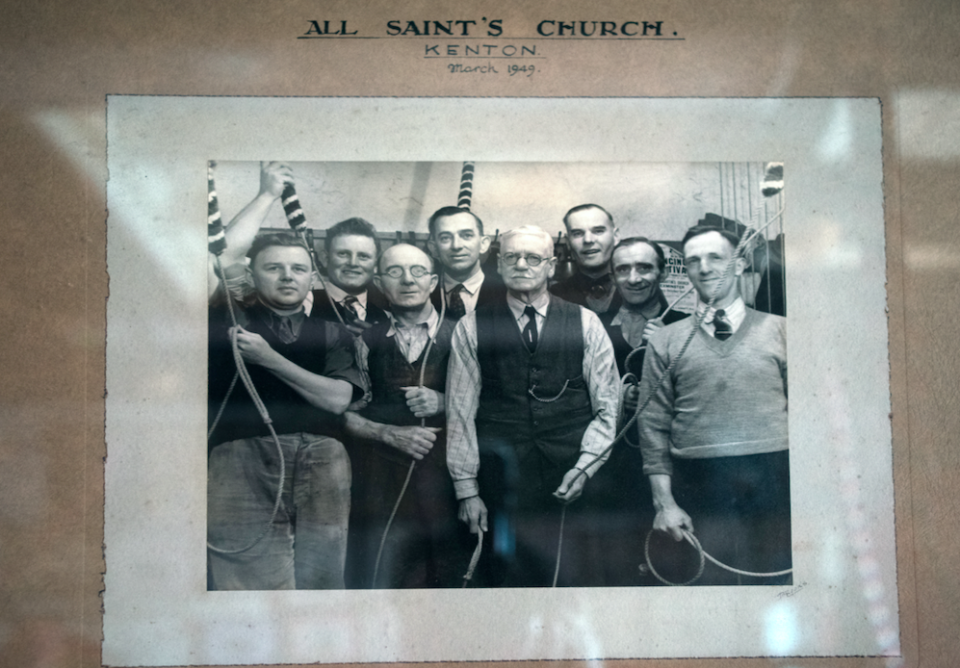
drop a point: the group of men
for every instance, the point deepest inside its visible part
(415, 390)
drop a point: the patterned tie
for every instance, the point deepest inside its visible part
(721, 328)
(455, 306)
(285, 329)
(350, 310)
(530, 331)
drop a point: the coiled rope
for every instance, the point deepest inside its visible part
(704, 557)
(244, 375)
(216, 244)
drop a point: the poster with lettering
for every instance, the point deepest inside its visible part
(381, 233)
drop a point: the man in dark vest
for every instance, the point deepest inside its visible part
(304, 372)
(592, 236)
(403, 424)
(531, 408)
(638, 265)
(458, 242)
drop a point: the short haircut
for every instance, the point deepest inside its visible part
(386, 250)
(585, 207)
(531, 230)
(632, 241)
(446, 212)
(352, 226)
(697, 230)
(263, 241)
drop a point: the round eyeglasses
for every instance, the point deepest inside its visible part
(416, 271)
(511, 259)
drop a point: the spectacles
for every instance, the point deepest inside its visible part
(416, 271)
(511, 259)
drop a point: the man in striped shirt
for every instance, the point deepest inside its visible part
(531, 407)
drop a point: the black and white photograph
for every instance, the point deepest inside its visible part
(465, 379)
(434, 434)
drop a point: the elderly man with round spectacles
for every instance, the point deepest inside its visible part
(402, 424)
(531, 407)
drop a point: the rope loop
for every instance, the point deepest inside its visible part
(690, 539)
(704, 557)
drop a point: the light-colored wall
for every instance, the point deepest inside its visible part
(659, 200)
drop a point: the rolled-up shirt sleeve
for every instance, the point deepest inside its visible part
(603, 385)
(340, 363)
(462, 401)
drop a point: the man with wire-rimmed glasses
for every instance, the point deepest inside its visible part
(531, 407)
(402, 424)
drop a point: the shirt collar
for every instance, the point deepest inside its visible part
(656, 307)
(735, 311)
(470, 286)
(273, 315)
(431, 322)
(274, 319)
(539, 304)
(339, 295)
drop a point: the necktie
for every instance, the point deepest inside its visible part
(721, 328)
(530, 331)
(350, 309)
(285, 329)
(455, 306)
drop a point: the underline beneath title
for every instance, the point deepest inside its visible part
(490, 39)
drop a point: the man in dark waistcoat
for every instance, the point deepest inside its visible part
(638, 265)
(305, 375)
(402, 425)
(531, 406)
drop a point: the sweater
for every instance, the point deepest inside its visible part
(722, 399)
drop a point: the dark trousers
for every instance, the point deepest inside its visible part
(521, 546)
(422, 547)
(740, 508)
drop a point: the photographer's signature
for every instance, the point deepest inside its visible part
(792, 592)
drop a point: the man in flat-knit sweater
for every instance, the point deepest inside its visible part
(714, 436)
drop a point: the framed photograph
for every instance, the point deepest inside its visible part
(805, 173)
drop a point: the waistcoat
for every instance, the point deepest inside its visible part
(390, 370)
(532, 400)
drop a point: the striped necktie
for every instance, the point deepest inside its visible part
(350, 309)
(721, 328)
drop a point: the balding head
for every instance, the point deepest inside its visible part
(407, 251)
(405, 276)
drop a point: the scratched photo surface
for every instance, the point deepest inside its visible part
(370, 499)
